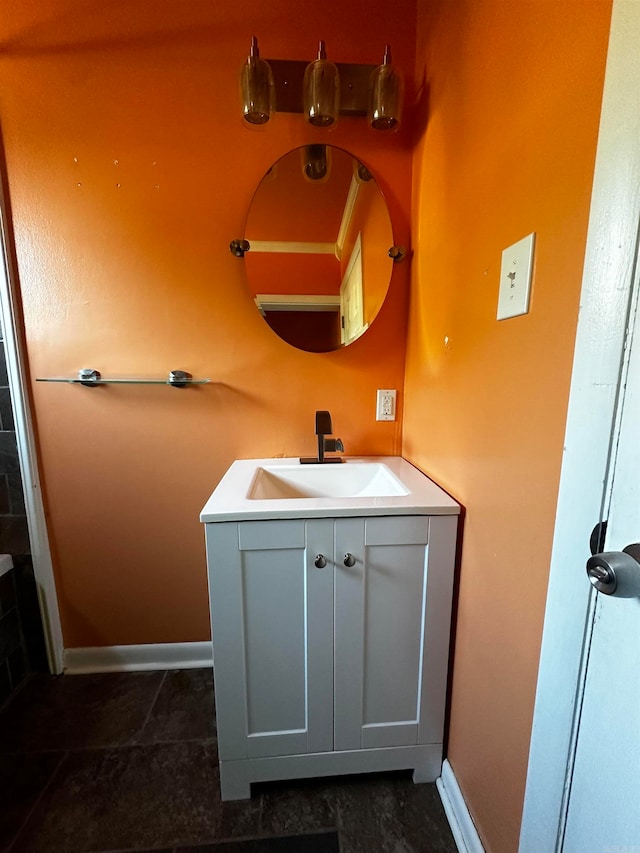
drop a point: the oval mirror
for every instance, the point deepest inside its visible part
(319, 235)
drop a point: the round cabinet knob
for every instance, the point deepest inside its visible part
(616, 572)
(349, 560)
(320, 561)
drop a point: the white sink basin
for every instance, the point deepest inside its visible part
(360, 479)
(283, 488)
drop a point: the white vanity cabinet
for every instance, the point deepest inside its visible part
(336, 668)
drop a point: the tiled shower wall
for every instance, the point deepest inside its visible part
(21, 636)
(14, 535)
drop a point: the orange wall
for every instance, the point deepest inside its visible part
(288, 273)
(509, 101)
(129, 173)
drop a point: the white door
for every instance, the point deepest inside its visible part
(352, 297)
(583, 789)
(604, 794)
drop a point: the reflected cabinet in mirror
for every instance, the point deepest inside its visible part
(319, 236)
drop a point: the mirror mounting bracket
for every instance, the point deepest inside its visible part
(239, 247)
(397, 254)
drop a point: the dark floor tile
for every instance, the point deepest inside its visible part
(17, 667)
(6, 687)
(297, 807)
(421, 814)
(135, 797)
(8, 454)
(6, 410)
(389, 814)
(235, 819)
(4, 376)
(16, 494)
(30, 618)
(14, 533)
(22, 780)
(77, 711)
(5, 502)
(326, 842)
(7, 590)
(156, 785)
(184, 709)
(10, 636)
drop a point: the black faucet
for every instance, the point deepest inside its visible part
(324, 428)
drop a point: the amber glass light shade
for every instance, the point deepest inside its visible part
(257, 90)
(385, 99)
(321, 91)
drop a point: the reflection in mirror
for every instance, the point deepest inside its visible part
(319, 233)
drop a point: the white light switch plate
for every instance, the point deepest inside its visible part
(515, 278)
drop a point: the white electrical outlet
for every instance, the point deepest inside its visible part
(386, 405)
(515, 278)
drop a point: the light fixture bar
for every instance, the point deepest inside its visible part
(288, 75)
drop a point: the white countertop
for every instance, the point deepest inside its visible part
(230, 502)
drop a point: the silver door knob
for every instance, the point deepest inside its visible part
(349, 560)
(616, 572)
(320, 561)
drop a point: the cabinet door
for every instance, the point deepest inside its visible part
(392, 618)
(272, 624)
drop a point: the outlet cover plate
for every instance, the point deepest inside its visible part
(515, 278)
(386, 405)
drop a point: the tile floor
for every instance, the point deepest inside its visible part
(128, 761)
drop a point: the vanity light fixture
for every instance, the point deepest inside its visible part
(385, 99)
(256, 88)
(321, 90)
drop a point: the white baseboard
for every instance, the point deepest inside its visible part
(462, 826)
(140, 657)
